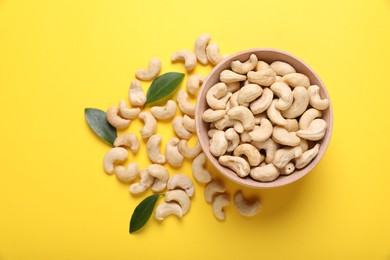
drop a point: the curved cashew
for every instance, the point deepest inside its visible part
(252, 154)
(213, 188)
(150, 125)
(263, 132)
(296, 80)
(179, 129)
(245, 137)
(201, 174)
(269, 146)
(292, 125)
(160, 175)
(243, 115)
(315, 132)
(181, 181)
(211, 132)
(200, 48)
(283, 91)
(315, 98)
(217, 96)
(165, 209)
(151, 72)
(127, 174)
(172, 153)
(153, 149)
(288, 169)
(275, 115)
(248, 93)
(263, 77)
(261, 65)
(127, 113)
(233, 139)
(244, 67)
(180, 197)
(145, 182)
(233, 101)
(265, 173)
(282, 136)
(186, 56)
(164, 112)
(285, 155)
(113, 156)
(127, 140)
(219, 203)
(233, 87)
(189, 152)
(218, 143)
(307, 157)
(213, 53)
(211, 115)
(184, 103)
(262, 104)
(223, 123)
(115, 120)
(237, 164)
(299, 105)
(308, 117)
(304, 144)
(282, 68)
(194, 82)
(246, 208)
(228, 76)
(136, 94)
(189, 124)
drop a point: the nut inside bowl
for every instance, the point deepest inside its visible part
(269, 56)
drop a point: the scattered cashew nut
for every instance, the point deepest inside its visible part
(200, 48)
(245, 207)
(167, 208)
(194, 82)
(113, 156)
(128, 140)
(189, 152)
(150, 125)
(181, 181)
(115, 120)
(213, 188)
(201, 174)
(136, 94)
(172, 153)
(164, 112)
(237, 164)
(186, 56)
(151, 72)
(184, 103)
(180, 197)
(153, 149)
(179, 128)
(219, 203)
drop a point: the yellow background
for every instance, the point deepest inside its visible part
(58, 57)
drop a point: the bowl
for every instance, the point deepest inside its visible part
(268, 55)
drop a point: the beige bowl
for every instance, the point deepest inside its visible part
(268, 55)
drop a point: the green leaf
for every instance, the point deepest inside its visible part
(163, 86)
(97, 120)
(142, 212)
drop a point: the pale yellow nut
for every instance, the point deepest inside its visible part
(160, 175)
(284, 155)
(308, 117)
(217, 96)
(315, 132)
(153, 149)
(115, 120)
(269, 146)
(261, 65)
(283, 91)
(151, 72)
(181, 181)
(237, 164)
(263, 102)
(136, 94)
(307, 157)
(150, 124)
(243, 115)
(265, 173)
(211, 115)
(288, 169)
(213, 53)
(127, 174)
(282, 68)
(172, 153)
(128, 140)
(212, 189)
(218, 143)
(164, 112)
(114, 156)
(262, 132)
(218, 205)
(245, 207)
(315, 99)
(189, 124)
(299, 105)
(263, 77)
(282, 136)
(179, 128)
(145, 182)
(200, 173)
(128, 113)
(166, 209)
(244, 67)
(275, 115)
(184, 103)
(228, 76)
(200, 47)
(248, 93)
(180, 197)
(251, 153)
(187, 151)
(186, 56)
(233, 139)
(194, 83)
(296, 80)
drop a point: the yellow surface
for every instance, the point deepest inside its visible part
(58, 57)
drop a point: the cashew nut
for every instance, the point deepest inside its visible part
(165, 209)
(299, 105)
(181, 181)
(284, 155)
(211, 115)
(219, 203)
(164, 112)
(244, 67)
(233, 139)
(218, 143)
(263, 77)
(243, 115)
(136, 94)
(172, 153)
(275, 115)
(113, 156)
(292, 125)
(127, 140)
(259, 117)
(151, 72)
(269, 146)
(228, 76)
(194, 82)
(265, 173)
(315, 98)
(304, 144)
(217, 96)
(233, 87)
(189, 152)
(184, 103)
(246, 208)
(234, 100)
(127, 174)
(211, 132)
(315, 132)
(296, 80)
(288, 169)
(252, 154)
(213, 188)
(248, 93)
(261, 65)
(223, 123)
(127, 113)
(200, 48)
(213, 53)
(245, 137)
(263, 102)
(282, 68)
(186, 56)
(153, 149)
(237, 164)
(115, 120)
(180, 197)
(307, 157)
(145, 182)
(201, 174)
(283, 91)
(189, 124)
(179, 129)
(262, 133)
(282, 136)
(150, 125)
(160, 175)
(308, 117)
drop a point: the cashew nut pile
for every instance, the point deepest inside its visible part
(265, 119)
